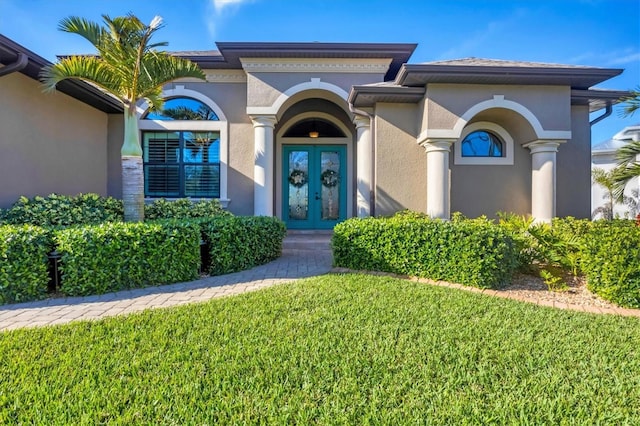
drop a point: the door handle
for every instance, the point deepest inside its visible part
(317, 196)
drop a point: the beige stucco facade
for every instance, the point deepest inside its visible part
(397, 133)
(49, 142)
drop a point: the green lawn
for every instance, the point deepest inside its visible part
(338, 349)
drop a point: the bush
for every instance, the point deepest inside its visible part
(23, 263)
(116, 256)
(63, 210)
(611, 261)
(471, 252)
(183, 208)
(237, 243)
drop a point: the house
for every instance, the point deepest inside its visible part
(603, 156)
(315, 133)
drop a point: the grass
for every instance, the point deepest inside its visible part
(337, 349)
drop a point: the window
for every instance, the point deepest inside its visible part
(182, 164)
(182, 109)
(482, 143)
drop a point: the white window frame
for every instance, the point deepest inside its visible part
(507, 146)
(220, 126)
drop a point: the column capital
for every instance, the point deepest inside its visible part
(432, 145)
(263, 120)
(361, 121)
(543, 145)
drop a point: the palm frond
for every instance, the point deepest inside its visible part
(623, 174)
(632, 102)
(90, 30)
(86, 68)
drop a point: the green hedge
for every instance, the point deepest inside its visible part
(63, 210)
(183, 208)
(241, 242)
(610, 259)
(471, 252)
(23, 263)
(116, 256)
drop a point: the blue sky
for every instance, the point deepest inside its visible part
(600, 33)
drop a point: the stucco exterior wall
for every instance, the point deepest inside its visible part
(573, 173)
(48, 142)
(487, 189)
(264, 88)
(447, 102)
(401, 164)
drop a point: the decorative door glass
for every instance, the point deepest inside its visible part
(298, 177)
(330, 185)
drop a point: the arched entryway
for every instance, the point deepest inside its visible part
(314, 169)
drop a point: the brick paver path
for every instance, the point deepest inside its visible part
(294, 264)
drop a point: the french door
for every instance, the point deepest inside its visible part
(314, 186)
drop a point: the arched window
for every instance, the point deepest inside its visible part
(183, 108)
(482, 143)
(184, 147)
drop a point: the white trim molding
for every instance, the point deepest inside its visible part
(505, 160)
(220, 126)
(314, 84)
(332, 65)
(225, 76)
(498, 101)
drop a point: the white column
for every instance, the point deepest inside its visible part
(438, 185)
(263, 169)
(363, 165)
(543, 179)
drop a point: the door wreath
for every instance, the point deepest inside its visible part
(330, 178)
(298, 178)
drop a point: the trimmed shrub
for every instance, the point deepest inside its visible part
(183, 208)
(471, 252)
(611, 261)
(63, 210)
(116, 256)
(237, 243)
(23, 263)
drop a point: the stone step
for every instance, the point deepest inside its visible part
(307, 240)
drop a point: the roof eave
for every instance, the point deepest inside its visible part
(367, 96)
(576, 77)
(77, 89)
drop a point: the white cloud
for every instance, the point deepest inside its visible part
(220, 5)
(220, 9)
(626, 59)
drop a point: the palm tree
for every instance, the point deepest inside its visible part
(606, 180)
(129, 67)
(627, 156)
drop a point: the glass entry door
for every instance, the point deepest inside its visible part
(314, 186)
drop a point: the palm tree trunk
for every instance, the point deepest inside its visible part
(132, 171)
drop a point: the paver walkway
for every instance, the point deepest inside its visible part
(293, 264)
(297, 261)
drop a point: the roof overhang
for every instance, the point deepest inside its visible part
(230, 53)
(598, 98)
(574, 77)
(368, 95)
(84, 92)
